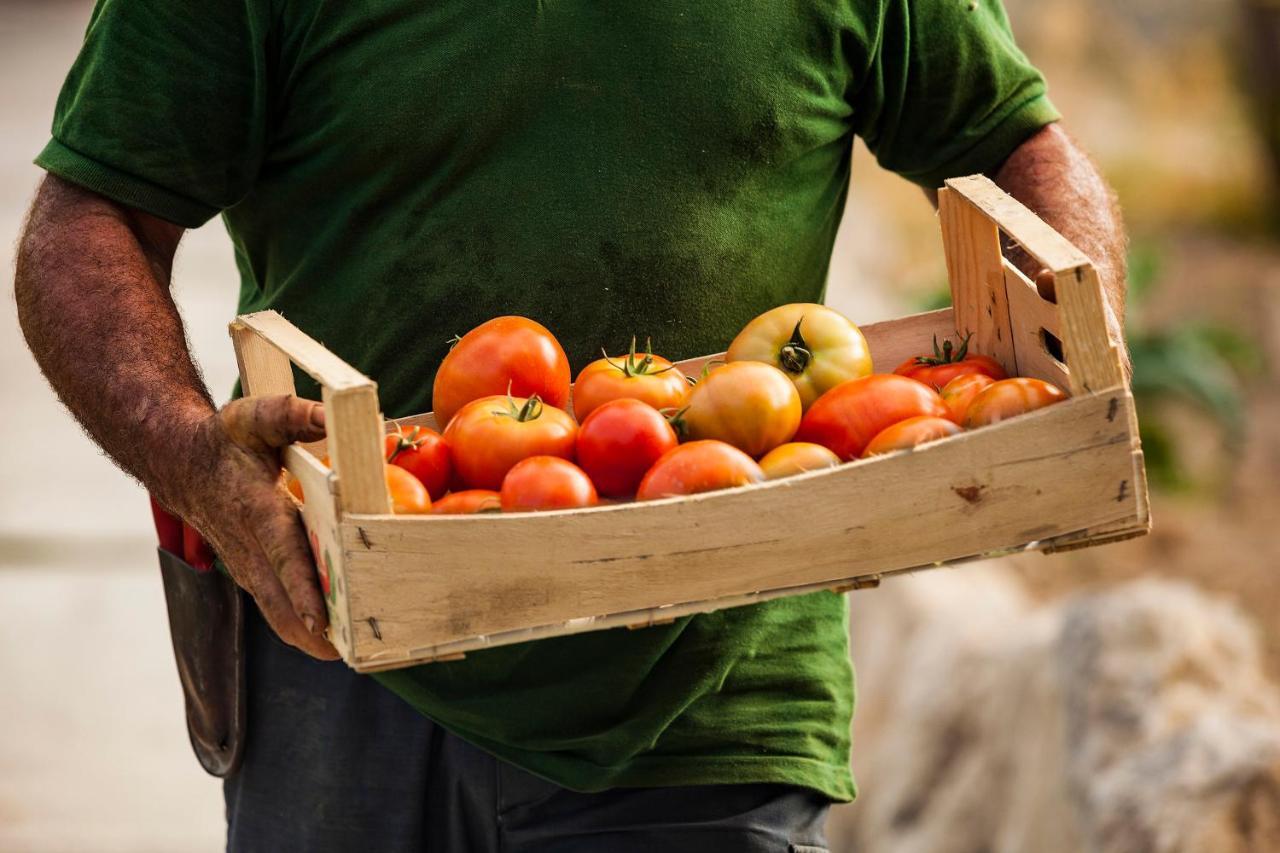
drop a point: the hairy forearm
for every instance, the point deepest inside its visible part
(92, 289)
(1050, 174)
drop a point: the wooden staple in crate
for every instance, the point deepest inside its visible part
(413, 589)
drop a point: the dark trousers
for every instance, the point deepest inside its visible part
(336, 762)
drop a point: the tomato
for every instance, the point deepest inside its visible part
(487, 436)
(423, 453)
(909, 433)
(1010, 397)
(506, 355)
(848, 416)
(750, 405)
(947, 363)
(619, 442)
(649, 378)
(699, 466)
(468, 502)
(796, 457)
(959, 393)
(546, 482)
(408, 495)
(815, 346)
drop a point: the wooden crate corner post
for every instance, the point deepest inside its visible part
(266, 344)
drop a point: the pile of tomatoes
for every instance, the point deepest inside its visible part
(795, 393)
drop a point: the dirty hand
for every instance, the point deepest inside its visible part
(233, 495)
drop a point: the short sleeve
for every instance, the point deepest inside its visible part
(947, 91)
(165, 107)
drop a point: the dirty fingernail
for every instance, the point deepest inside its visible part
(310, 622)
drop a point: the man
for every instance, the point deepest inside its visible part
(393, 172)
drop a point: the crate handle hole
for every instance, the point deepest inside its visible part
(1053, 346)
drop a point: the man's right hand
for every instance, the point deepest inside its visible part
(232, 493)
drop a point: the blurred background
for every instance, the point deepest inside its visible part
(1119, 698)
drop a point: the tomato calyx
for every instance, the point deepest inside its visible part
(637, 364)
(795, 355)
(405, 442)
(530, 411)
(945, 355)
(676, 418)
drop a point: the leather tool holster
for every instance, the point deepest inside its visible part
(206, 622)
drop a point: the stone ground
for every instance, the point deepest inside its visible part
(93, 752)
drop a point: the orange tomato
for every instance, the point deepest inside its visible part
(816, 347)
(506, 355)
(699, 466)
(909, 433)
(1010, 397)
(488, 436)
(847, 417)
(468, 502)
(408, 495)
(648, 378)
(546, 482)
(748, 404)
(796, 457)
(959, 393)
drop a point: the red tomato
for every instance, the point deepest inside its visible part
(489, 435)
(748, 404)
(619, 442)
(848, 416)
(1010, 397)
(468, 502)
(815, 346)
(408, 495)
(699, 466)
(649, 378)
(909, 433)
(947, 363)
(423, 453)
(506, 355)
(959, 393)
(546, 482)
(796, 457)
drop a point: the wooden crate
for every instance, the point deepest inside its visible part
(412, 589)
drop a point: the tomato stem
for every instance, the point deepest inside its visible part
(945, 355)
(795, 354)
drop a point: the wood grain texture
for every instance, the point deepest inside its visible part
(434, 581)
(1029, 313)
(320, 514)
(264, 369)
(976, 270)
(306, 352)
(355, 444)
(1093, 358)
(1052, 250)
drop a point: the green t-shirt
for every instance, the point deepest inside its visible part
(392, 172)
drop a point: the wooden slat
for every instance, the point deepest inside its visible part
(1052, 250)
(264, 369)
(976, 268)
(1093, 358)
(1029, 312)
(322, 365)
(355, 444)
(434, 580)
(319, 511)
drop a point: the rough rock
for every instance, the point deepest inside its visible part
(1131, 720)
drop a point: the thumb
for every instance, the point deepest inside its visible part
(265, 423)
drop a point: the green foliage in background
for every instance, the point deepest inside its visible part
(1199, 364)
